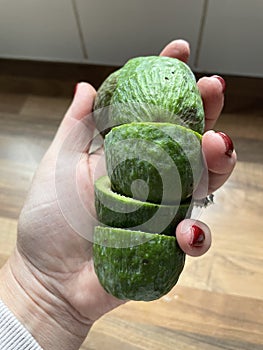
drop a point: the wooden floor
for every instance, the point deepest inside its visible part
(218, 302)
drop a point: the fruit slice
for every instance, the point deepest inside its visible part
(136, 265)
(116, 210)
(155, 162)
(153, 88)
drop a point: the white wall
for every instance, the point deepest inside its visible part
(116, 30)
(225, 35)
(232, 39)
(39, 29)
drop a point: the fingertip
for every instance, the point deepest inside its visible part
(83, 100)
(212, 92)
(178, 48)
(219, 152)
(84, 87)
(220, 158)
(222, 82)
(77, 123)
(212, 84)
(194, 237)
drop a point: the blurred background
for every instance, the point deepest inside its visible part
(46, 47)
(225, 35)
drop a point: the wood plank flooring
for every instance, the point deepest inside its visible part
(218, 303)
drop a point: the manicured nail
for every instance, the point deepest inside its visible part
(228, 143)
(222, 81)
(198, 236)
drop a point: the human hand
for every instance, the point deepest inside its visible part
(51, 270)
(217, 147)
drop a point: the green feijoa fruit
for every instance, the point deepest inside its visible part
(136, 265)
(155, 162)
(103, 100)
(153, 88)
(115, 210)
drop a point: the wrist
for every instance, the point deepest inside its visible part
(50, 319)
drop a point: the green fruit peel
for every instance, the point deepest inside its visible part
(151, 114)
(150, 263)
(150, 89)
(116, 210)
(166, 156)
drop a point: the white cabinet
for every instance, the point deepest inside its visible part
(232, 38)
(225, 36)
(39, 29)
(116, 30)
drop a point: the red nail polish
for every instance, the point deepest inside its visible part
(222, 81)
(228, 143)
(75, 89)
(198, 236)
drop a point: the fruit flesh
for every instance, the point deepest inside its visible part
(115, 210)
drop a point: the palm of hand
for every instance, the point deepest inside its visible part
(60, 256)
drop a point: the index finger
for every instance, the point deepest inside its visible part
(212, 92)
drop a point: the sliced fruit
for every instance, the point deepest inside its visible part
(157, 162)
(152, 114)
(136, 265)
(116, 210)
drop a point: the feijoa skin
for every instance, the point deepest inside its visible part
(151, 114)
(103, 100)
(154, 162)
(151, 89)
(115, 210)
(136, 265)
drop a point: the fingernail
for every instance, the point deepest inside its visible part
(222, 81)
(75, 89)
(228, 143)
(198, 236)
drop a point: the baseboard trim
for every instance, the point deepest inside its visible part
(55, 79)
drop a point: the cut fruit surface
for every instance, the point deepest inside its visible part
(116, 210)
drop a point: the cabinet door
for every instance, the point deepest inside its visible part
(117, 30)
(232, 38)
(39, 29)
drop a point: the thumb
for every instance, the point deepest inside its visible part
(77, 124)
(82, 102)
